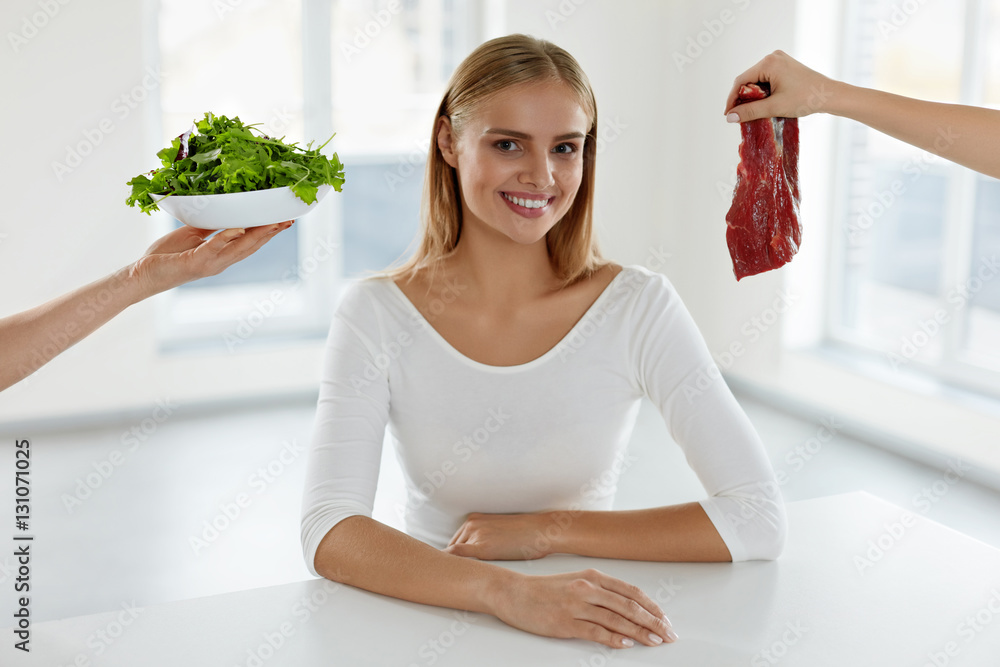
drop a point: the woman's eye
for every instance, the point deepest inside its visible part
(506, 145)
(565, 148)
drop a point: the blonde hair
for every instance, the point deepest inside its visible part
(494, 66)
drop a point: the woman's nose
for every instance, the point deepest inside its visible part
(537, 171)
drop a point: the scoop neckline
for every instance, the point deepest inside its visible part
(537, 361)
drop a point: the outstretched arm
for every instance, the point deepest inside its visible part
(36, 336)
(967, 135)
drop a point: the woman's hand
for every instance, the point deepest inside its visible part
(587, 605)
(505, 536)
(184, 255)
(796, 90)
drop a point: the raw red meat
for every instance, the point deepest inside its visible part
(763, 227)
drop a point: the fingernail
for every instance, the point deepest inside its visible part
(656, 639)
(671, 635)
(627, 642)
(733, 118)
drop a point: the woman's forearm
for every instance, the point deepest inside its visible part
(674, 533)
(32, 338)
(589, 604)
(367, 554)
(967, 135)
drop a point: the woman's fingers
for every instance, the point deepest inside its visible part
(752, 111)
(796, 90)
(600, 634)
(761, 71)
(645, 604)
(752, 75)
(616, 624)
(588, 605)
(462, 549)
(460, 535)
(265, 234)
(184, 255)
(178, 240)
(233, 245)
(626, 609)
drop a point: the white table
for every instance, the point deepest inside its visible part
(922, 595)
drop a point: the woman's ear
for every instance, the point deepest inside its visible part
(446, 141)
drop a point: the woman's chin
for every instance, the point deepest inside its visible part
(527, 237)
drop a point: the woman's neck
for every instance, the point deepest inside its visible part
(500, 271)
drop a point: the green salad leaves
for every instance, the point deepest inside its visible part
(220, 155)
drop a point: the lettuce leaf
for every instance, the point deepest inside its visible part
(219, 155)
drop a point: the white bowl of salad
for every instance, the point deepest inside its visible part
(222, 174)
(238, 209)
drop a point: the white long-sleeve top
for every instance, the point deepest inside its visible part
(545, 435)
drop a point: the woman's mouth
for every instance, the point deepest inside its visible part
(529, 206)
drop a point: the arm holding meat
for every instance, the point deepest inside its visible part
(967, 135)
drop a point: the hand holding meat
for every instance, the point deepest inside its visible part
(763, 229)
(967, 135)
(796, 90)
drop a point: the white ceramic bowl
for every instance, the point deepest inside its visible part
(238, 209)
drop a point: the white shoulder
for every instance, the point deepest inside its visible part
(361, 295)
(648, 288)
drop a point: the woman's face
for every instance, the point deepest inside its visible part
(519, 159)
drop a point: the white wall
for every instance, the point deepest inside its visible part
(665, 183)
(666, 147)
(664, 178)
(668, 152)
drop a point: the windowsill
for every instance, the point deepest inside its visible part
(910, 414)
(874, 367)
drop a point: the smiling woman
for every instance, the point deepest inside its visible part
(508, 360)
(536, 177)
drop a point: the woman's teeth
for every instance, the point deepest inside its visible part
(526, 203)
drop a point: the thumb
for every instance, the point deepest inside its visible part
(465, 550)
(750, 111)
(226, 235)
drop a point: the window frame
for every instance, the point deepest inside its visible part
(957, 367)
(306, 304)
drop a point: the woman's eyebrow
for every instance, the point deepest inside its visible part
(522, 135)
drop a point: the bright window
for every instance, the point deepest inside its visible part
(390, 63)
(916, 277)
(371, 71)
